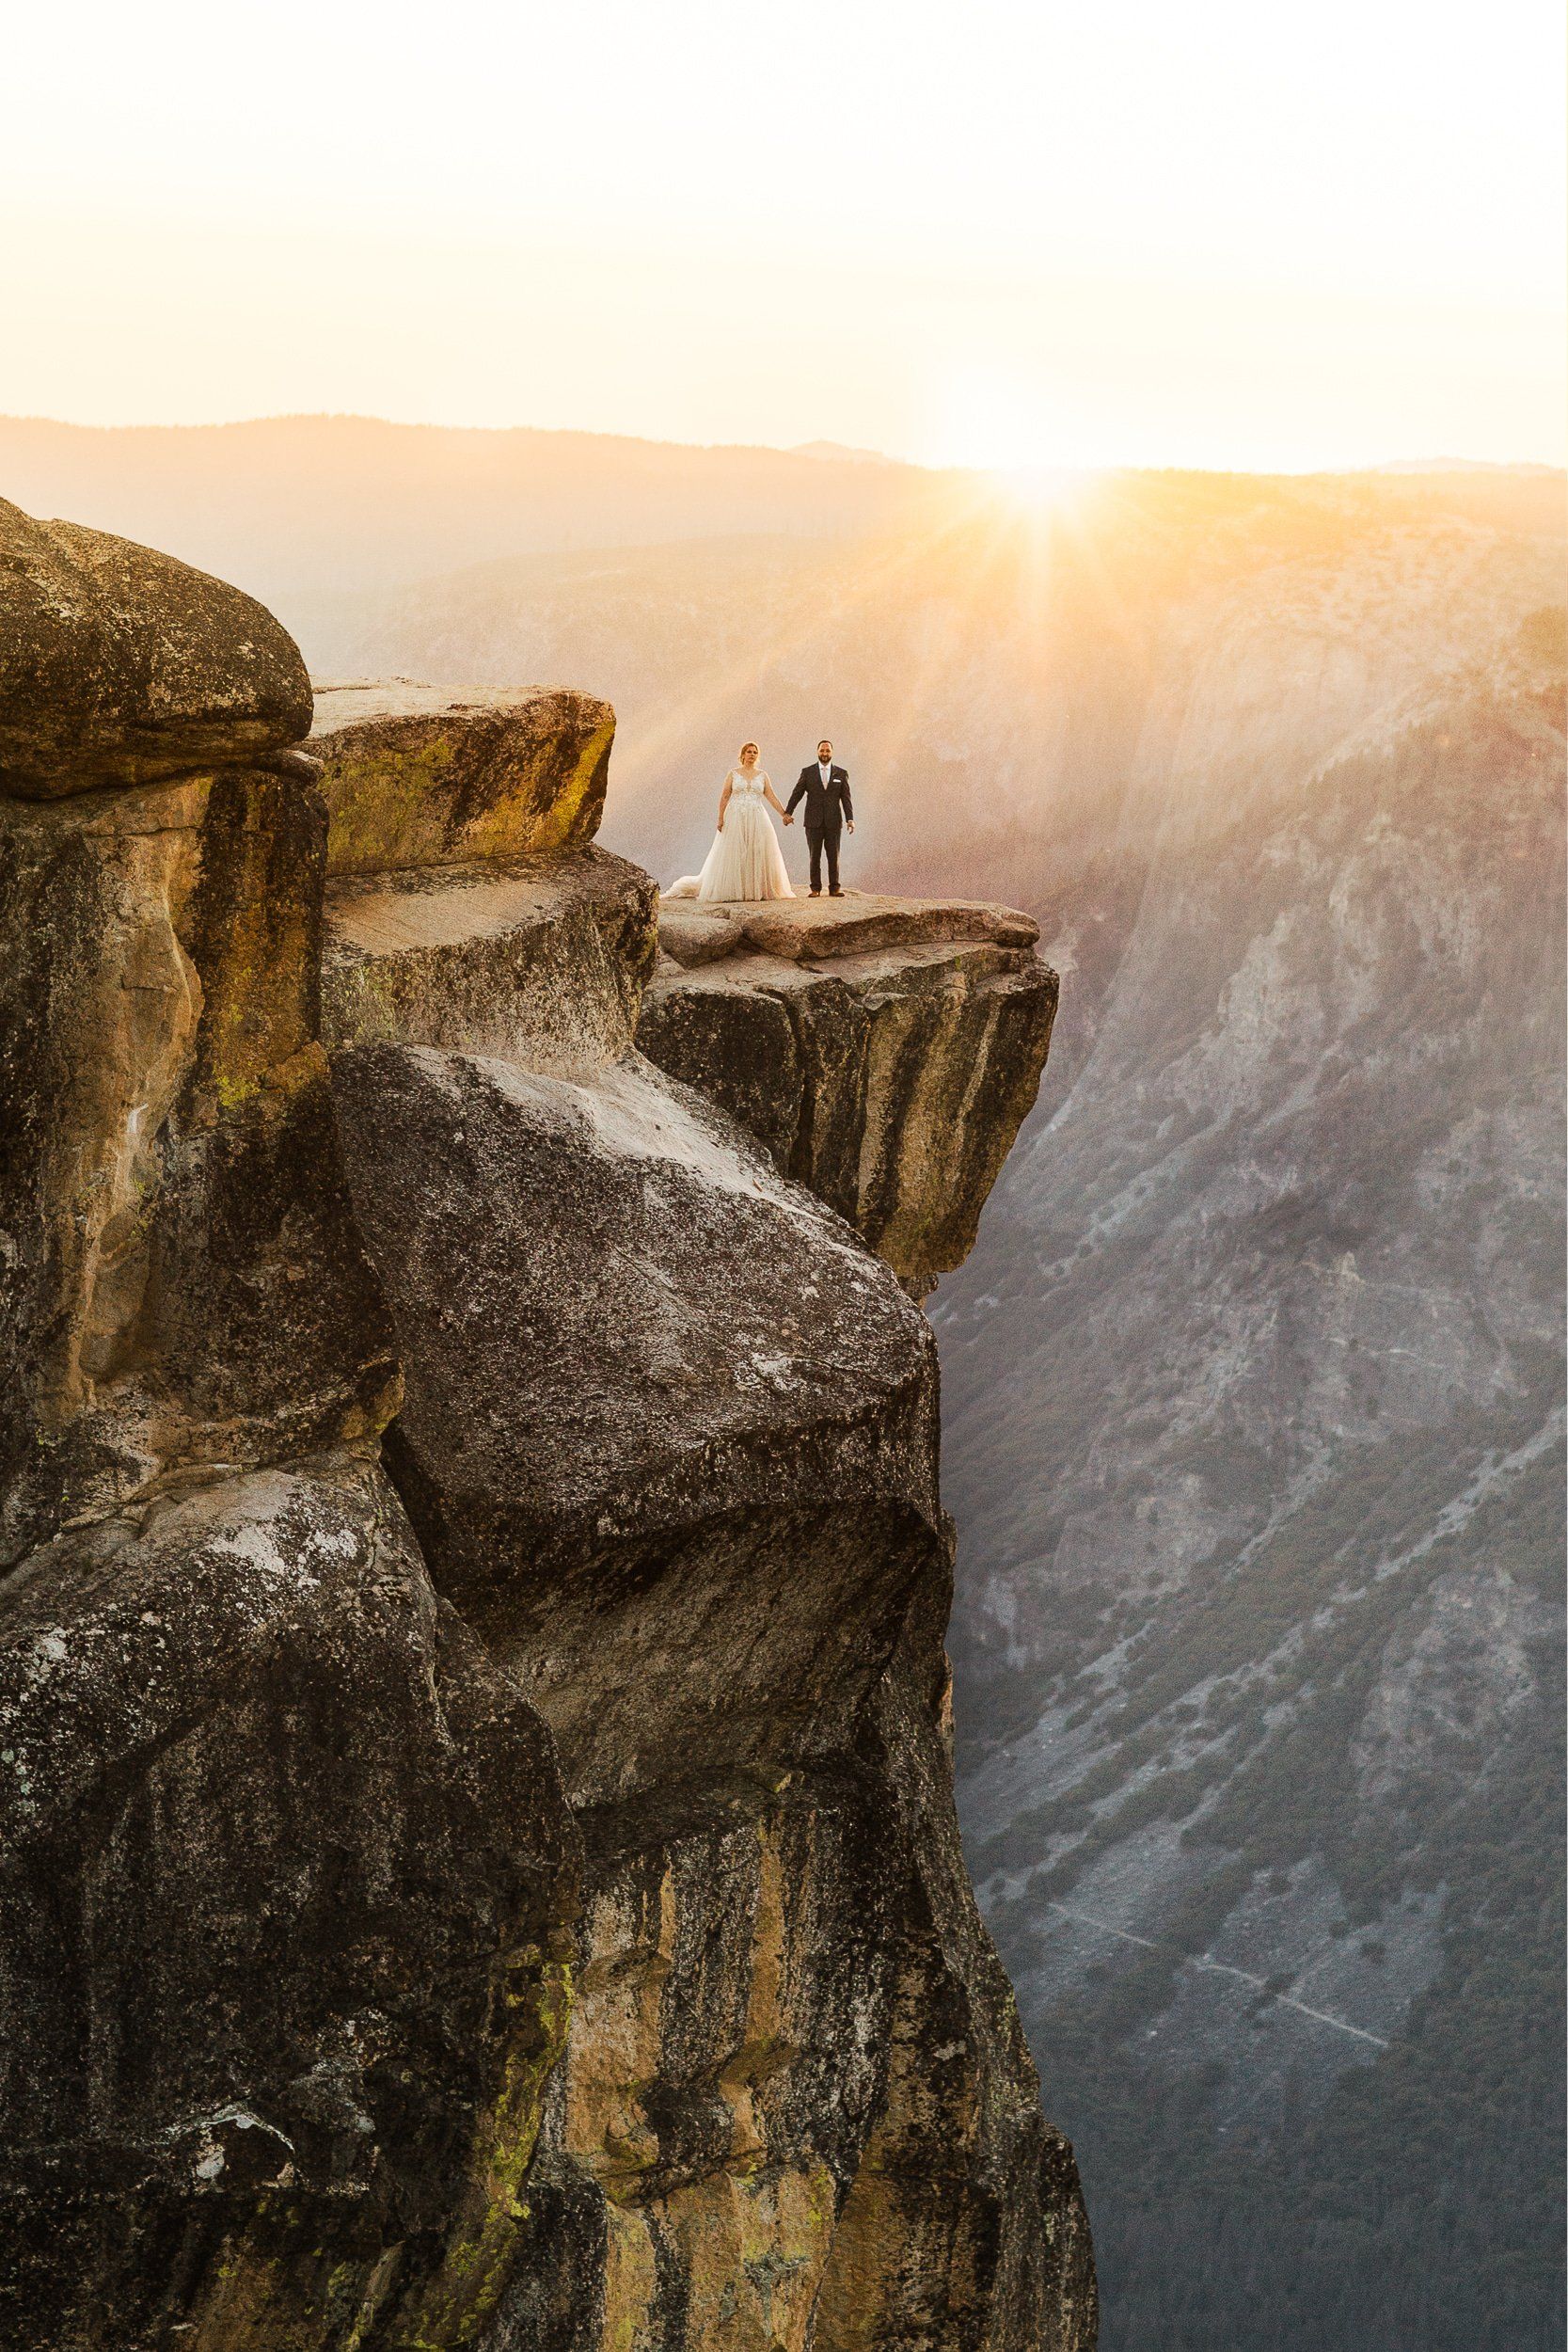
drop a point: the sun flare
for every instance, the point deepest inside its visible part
(1041, 489)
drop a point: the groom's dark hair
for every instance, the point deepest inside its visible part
(820, 741)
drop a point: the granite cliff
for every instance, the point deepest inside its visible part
(481, 1866)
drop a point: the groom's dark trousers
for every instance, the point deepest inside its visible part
(820, 837)
(827, 806)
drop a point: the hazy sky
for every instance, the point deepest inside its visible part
(998, 233)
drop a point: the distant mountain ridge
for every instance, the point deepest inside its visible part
(1465, 465)
(839, 453)
(302, 510)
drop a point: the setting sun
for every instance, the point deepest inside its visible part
(1041, 490)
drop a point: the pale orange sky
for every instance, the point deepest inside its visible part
(1004, 236)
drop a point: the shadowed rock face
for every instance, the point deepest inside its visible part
(790, 2112)
(669, 1442)
(507, 1895)
(284, 1931)
(666, 1382)
(886, 1051)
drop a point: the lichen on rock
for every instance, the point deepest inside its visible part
(491, 778)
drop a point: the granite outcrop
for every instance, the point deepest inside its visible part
(481, 1865)
(886, 1051)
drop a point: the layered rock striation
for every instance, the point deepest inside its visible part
(885, 1049)
(480, 1861)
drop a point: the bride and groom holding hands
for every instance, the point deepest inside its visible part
(746, 861)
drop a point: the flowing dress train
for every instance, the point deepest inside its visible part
(745, 860)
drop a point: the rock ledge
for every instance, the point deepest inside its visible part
(885, 1049)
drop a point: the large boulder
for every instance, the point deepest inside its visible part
(885, 1051)
(285, 1927)
(669, 1434)
(668, 1438)
(542, 960)
(497, 777)
(118, 665)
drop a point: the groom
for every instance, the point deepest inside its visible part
(825, 790)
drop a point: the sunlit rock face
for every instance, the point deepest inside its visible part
(885, 1049)
(481, 1859)
(171, 1165)
(412, 779)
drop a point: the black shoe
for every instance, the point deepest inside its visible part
(835, 893)
(817, 891)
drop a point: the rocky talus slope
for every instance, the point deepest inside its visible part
(480, 1860)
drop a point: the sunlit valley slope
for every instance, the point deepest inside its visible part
(1253, 1384)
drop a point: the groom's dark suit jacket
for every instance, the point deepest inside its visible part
(825, 804)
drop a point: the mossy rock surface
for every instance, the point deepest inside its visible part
(502, 778)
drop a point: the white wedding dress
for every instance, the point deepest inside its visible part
(745, 860)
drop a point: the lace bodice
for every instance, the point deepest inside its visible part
(753, 786)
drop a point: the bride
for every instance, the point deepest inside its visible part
(745, 860)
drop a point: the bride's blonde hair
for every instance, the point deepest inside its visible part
(750, 746)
